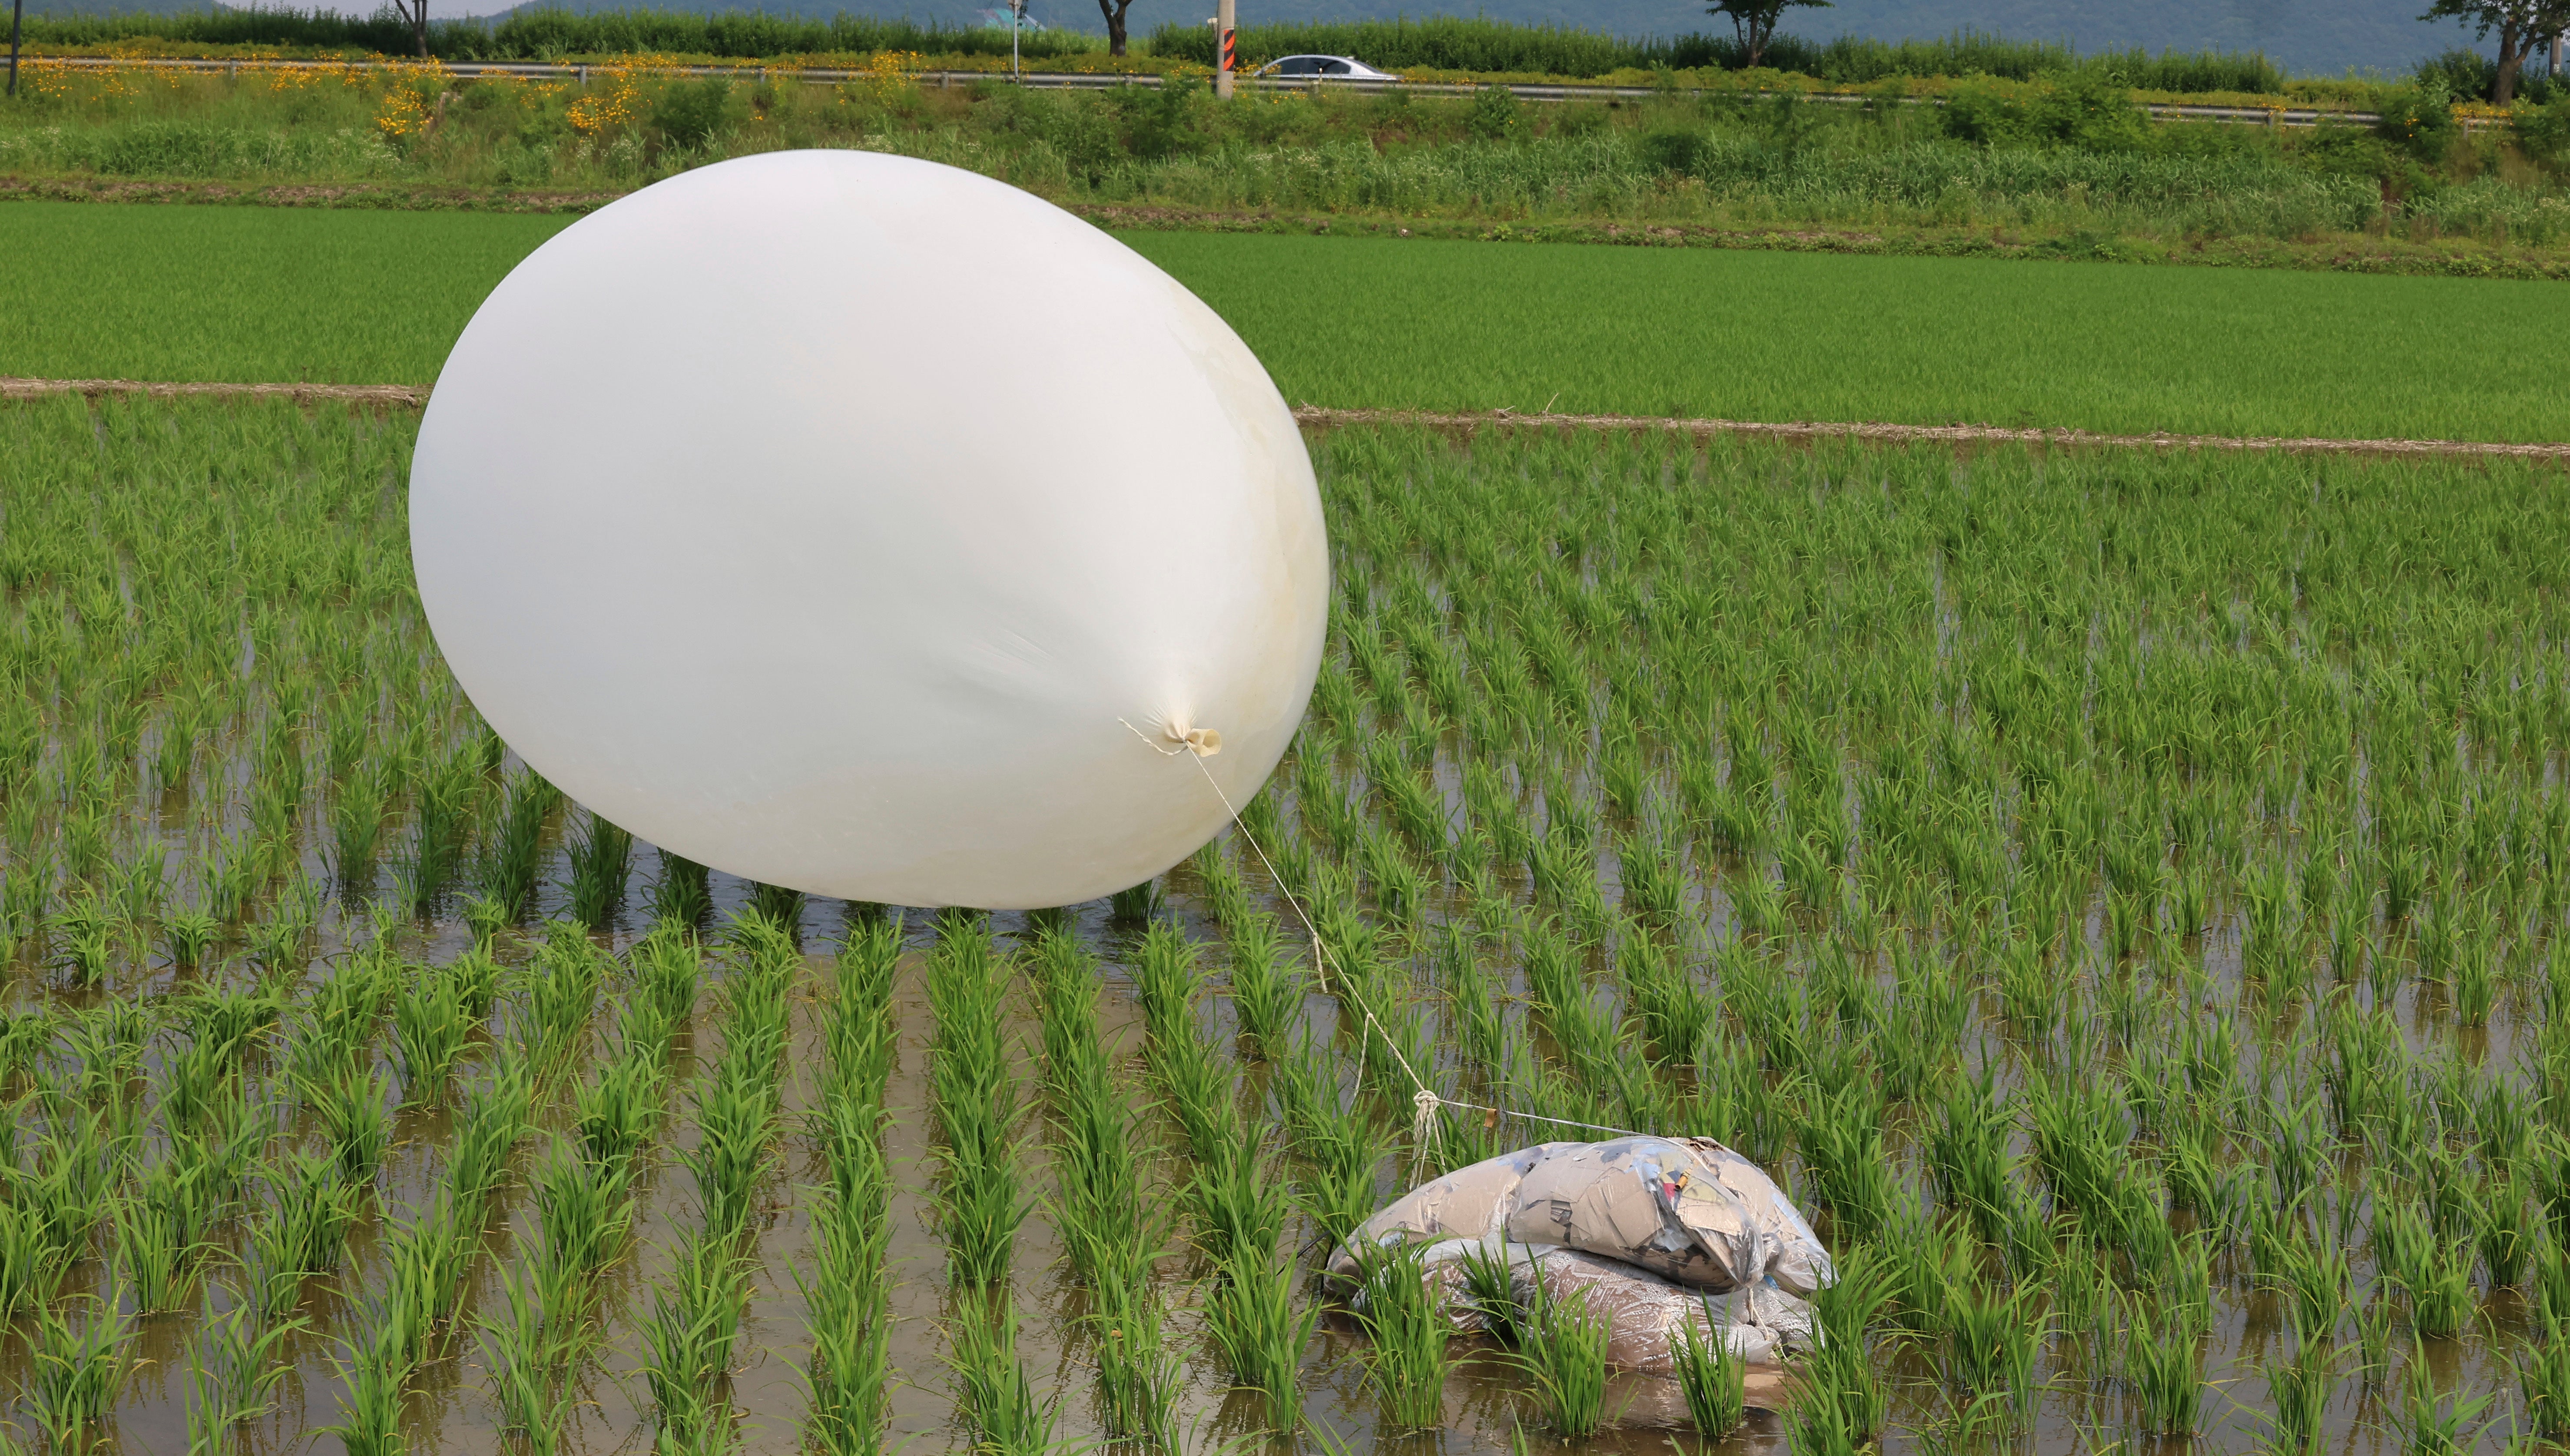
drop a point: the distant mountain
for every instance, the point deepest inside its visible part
(2305, 37)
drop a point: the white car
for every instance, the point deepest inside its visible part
(1343, 67)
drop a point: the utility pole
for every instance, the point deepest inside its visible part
(1225, 20)
(18, 15)
(1017, 22)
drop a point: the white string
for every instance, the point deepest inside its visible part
(1424, 1100)
(1162, 752)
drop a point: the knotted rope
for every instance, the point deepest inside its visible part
(1426, 1104)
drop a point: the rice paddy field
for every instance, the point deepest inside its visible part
(2119, 894)
(256, 294)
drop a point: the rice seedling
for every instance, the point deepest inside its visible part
(1267, 990)
(2440, 1284)
(2506, 1231)
(429, 1259)
(78, 1368)
(735, 1124)
(847, 1288)
(1839, 1377)
(358, 823)
(1992, 1336)
(601, 861)
(1712, 1374)
(994, 1397)
(235, 1365)
(2428, 1421)
(159, 1231)
(1239, 1201)
(185, 937)
(562, 993)
(1198, 1088)
(1406, 1360)
(430, 1023)
(1138, 1374)
(1135, 905)
(2163, 1364)
(529, 1345)
(491, 1118)
(1251, 1317)
(2315, 1279)
(688, 1335)
(2298, 1396)
(667, 972)
(443, 800)
(682, 893)
(371, 1368)
(981, 1196)
(30, 1267)
(1343, 1152)
(305, 1233)
(2551, 1278)
(1564, 1354)
(2374, 1334)
(618, 1113)
(586, 1209)
(511, 858)
(2543, 1382)
(355, 1117)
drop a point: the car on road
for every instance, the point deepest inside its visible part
(1343, 67)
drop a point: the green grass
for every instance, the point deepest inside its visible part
(1785, 336)
(250, 295)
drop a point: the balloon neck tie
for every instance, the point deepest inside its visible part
(1202, 742)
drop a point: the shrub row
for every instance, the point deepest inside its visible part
(1480, 46)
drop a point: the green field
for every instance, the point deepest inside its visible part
(1784, 336)
(247, 295)
(254, 294)
(2122, 895)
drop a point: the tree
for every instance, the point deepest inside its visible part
(414, 13)
(1754, 21)
(1114, 13)
(2521, 25)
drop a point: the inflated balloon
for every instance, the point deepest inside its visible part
(867, 526)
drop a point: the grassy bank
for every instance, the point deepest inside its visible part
(1441, 42)
(2032, 161)
(354, 296)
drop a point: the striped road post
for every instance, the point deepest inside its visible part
(1225, 35)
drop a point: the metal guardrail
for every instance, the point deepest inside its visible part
(2279, 116)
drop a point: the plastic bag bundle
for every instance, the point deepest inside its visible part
(1687, 1208)
(1645, 1313)
(1654, 1234)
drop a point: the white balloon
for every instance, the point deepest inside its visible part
(868, 526)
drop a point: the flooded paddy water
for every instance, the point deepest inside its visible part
(2118, 895)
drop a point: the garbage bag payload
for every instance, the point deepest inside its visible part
(1643, 1313)
(827, 518)
(1686, 1208)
